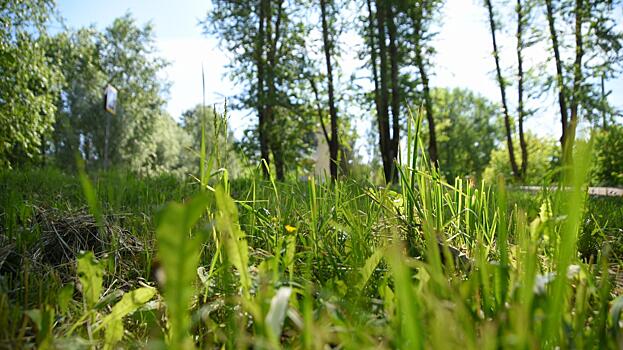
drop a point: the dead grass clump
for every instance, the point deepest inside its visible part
(10, 261)
(64, 234)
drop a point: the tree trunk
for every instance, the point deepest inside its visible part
(562, 98)
(334, 144)
(279, 162)
(384, 137)
(395, 86)
(604, 123)
(375, 77)
(275, 140)
(428, 106)
(520, 90)
(264, 148)
(577, 80)
(502, 84)
(428, 103)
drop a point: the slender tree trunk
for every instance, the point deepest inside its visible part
(604, 124)
(275, 142)
(384, 95)
(501, 83)
(319, 110)
(334, 144)
(395, 86)
(264, 148)
(375, 77)
(577, 78)
(520, 90)
(428, 103)
(562, 98)
(428, 106)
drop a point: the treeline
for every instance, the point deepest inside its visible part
(275, 56)
(52, 98)
(287, 56)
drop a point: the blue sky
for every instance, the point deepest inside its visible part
(463, 54)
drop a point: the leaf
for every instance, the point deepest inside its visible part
(90, 274)
(277, 312)
(113, 322)
(369, 266)
(44, 321)
(615, 314)
(179, 254)
(129, 303)
(64, 296)
(407, 301)
(113, 334)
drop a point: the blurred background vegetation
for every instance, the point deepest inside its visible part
(285, 56)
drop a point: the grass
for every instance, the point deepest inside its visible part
(220, 263)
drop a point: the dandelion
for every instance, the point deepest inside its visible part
(290, 229)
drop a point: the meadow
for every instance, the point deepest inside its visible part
(112, 260)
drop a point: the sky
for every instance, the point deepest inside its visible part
(463, 56)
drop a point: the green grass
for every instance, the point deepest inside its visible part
(365, 266)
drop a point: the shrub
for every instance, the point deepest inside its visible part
(608, 167)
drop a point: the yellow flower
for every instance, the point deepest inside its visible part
(290, 229)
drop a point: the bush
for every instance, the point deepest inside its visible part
(543, 156)
(608, 167)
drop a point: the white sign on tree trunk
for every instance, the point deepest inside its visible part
(110, 99)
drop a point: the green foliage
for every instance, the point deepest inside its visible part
(44, 321)
(608, 168)
(172, 143)
(370, 267)
(218, 136)
(143, 137)
(312, 264)
(271, 66)
(233, 237)
(91, 275)
(64, 297)
(129, 303)
(179, 253)
(466, 132)
(28, 82)
(543, 156)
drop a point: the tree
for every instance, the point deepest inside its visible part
(267, 41)
(397, 36)
(219, 139)
(28, 82)
(597, 52)
(328, 45)
(523, 15)
(125, 56)
(381, 21)
(544, 157)
(502, 84)
(608, 166)
(172, 144)
(79, 116)
(422, 14)
(467, 130)
(130, 62)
